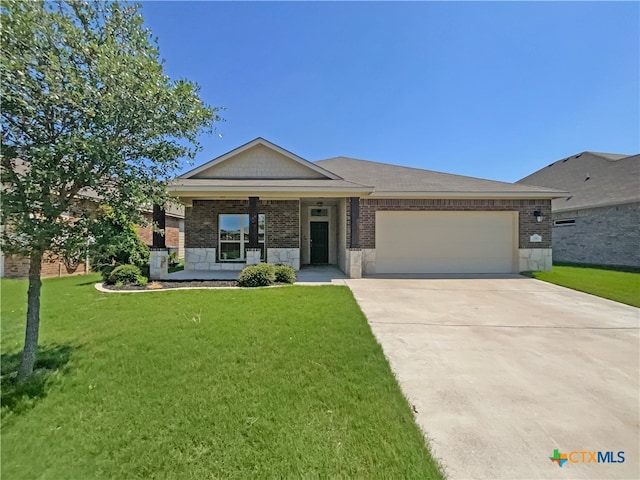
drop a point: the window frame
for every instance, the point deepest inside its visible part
(242, 242)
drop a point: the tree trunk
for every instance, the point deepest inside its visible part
(33, 317)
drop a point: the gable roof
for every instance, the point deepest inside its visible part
(262, 168)
(297, 166)
(592, 179)
(393, 180)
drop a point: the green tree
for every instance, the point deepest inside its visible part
(117, 243)
(87, 115)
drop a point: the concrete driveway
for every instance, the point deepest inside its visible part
(504, 370)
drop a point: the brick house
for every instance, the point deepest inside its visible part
(261, 202)
(17, 266)
(173, 229)
(599, 221)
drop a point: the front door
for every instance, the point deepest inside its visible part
(319, 242)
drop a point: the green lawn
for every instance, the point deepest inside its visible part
(283, 382)
(622, 287)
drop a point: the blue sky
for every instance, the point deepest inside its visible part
(488, 89)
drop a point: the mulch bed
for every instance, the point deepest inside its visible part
(165, 285)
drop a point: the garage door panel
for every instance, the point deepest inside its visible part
(445, 242)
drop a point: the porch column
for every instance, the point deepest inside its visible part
(158, 224)
(253, 222)
(354, 254)
(253, 250)
(354, 204)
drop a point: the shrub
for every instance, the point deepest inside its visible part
(173, 259)
(125, 274)
(141, 280)
(285, 274)
(261, 275)
(105, 271)
(116, 243)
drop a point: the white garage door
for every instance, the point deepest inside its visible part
(445, 242)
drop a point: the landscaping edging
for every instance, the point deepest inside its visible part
(101, 288)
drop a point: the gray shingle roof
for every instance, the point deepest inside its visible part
(592, 179)
(388, 178)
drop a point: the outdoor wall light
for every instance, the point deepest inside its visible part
(538, 215)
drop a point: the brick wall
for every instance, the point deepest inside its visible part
(527, 223)
(282, 219)
(172, 231)
(605, 235)
(17, 266)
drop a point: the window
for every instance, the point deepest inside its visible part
(234, 236)
(564, 223)
(319, 212)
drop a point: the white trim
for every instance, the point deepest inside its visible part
(332, 254)
(200, 188)
(599, 205)
(475, 195)
(241, 241)
(265, 143)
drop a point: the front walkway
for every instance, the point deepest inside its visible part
(308, 275)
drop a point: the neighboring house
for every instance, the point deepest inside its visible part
(599, 222)
(17, 266)
(173, 229)
(261, 202)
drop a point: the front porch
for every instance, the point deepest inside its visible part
(225, 235)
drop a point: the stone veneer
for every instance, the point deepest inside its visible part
(353, 263)
(285, 256)
(205, 259)
(368, 261)
(535, 259)
(252, 256)
(158, 263)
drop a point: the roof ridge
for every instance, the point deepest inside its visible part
(603, 155)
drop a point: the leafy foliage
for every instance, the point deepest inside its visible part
(261, 275)
(117, 243)
(173, 259)
(87, 114)
(285, 274)
(126, 274)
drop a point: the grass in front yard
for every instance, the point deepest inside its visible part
(622, 287)
(282, 382)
